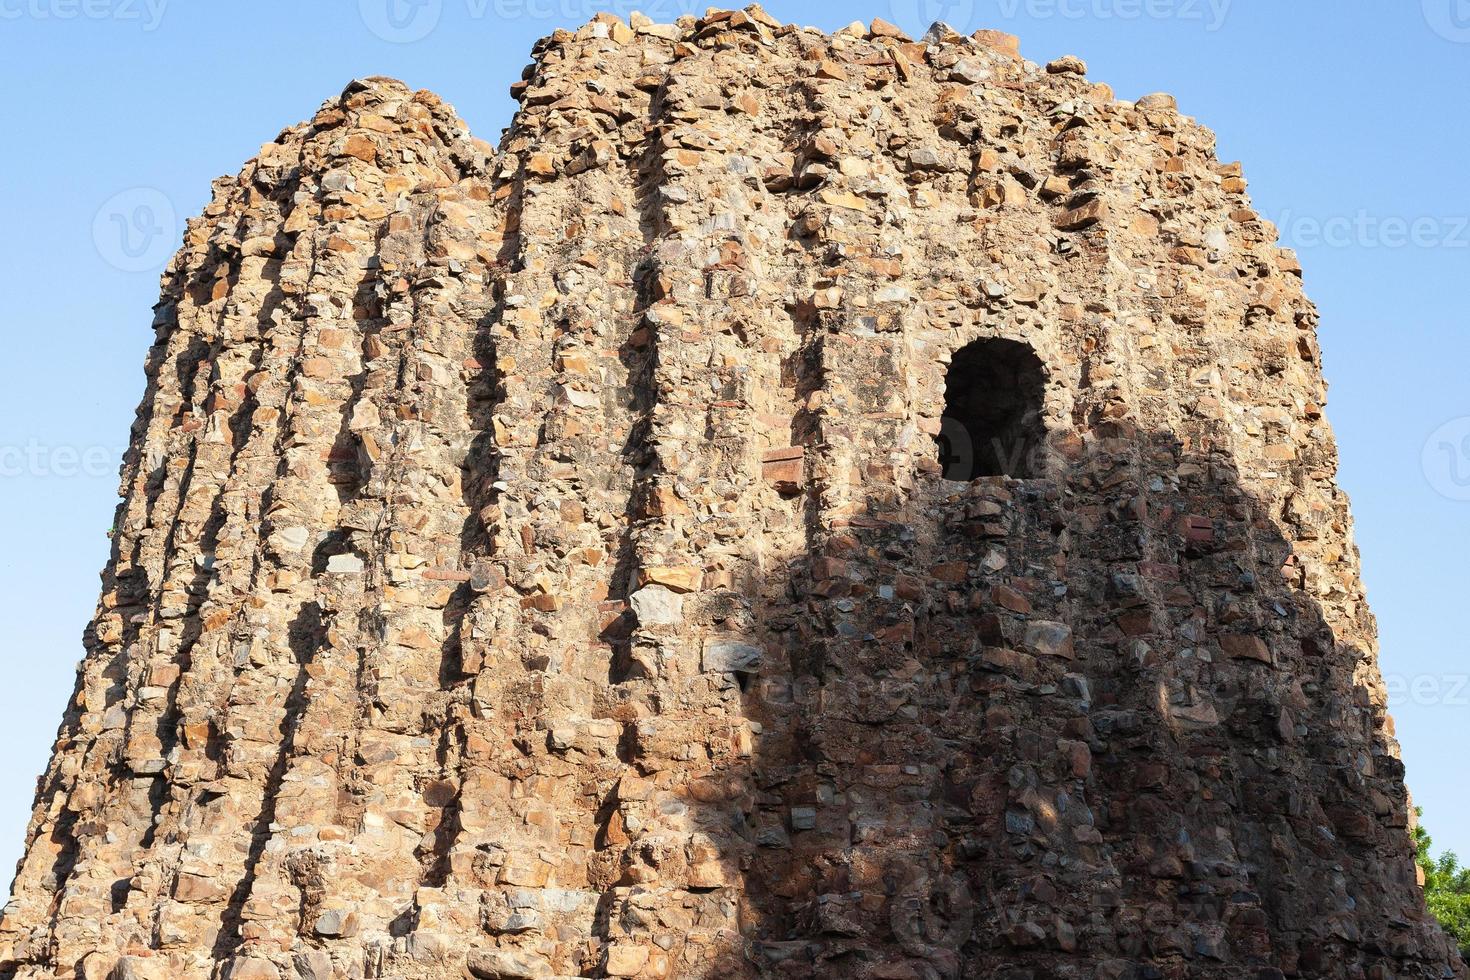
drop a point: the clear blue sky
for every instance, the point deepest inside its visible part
(1350, 116)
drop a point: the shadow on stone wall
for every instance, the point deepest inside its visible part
(1096, 726)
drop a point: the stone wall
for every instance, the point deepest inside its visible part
(535, 561)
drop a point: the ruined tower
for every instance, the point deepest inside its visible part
(803, 506)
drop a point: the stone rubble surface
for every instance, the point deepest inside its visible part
(534, 561)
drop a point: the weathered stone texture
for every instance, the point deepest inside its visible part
(536, 562)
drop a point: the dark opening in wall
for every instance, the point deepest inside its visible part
(992, 411)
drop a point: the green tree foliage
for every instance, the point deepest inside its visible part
(1446, 889)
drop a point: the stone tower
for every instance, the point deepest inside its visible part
(803, 506)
